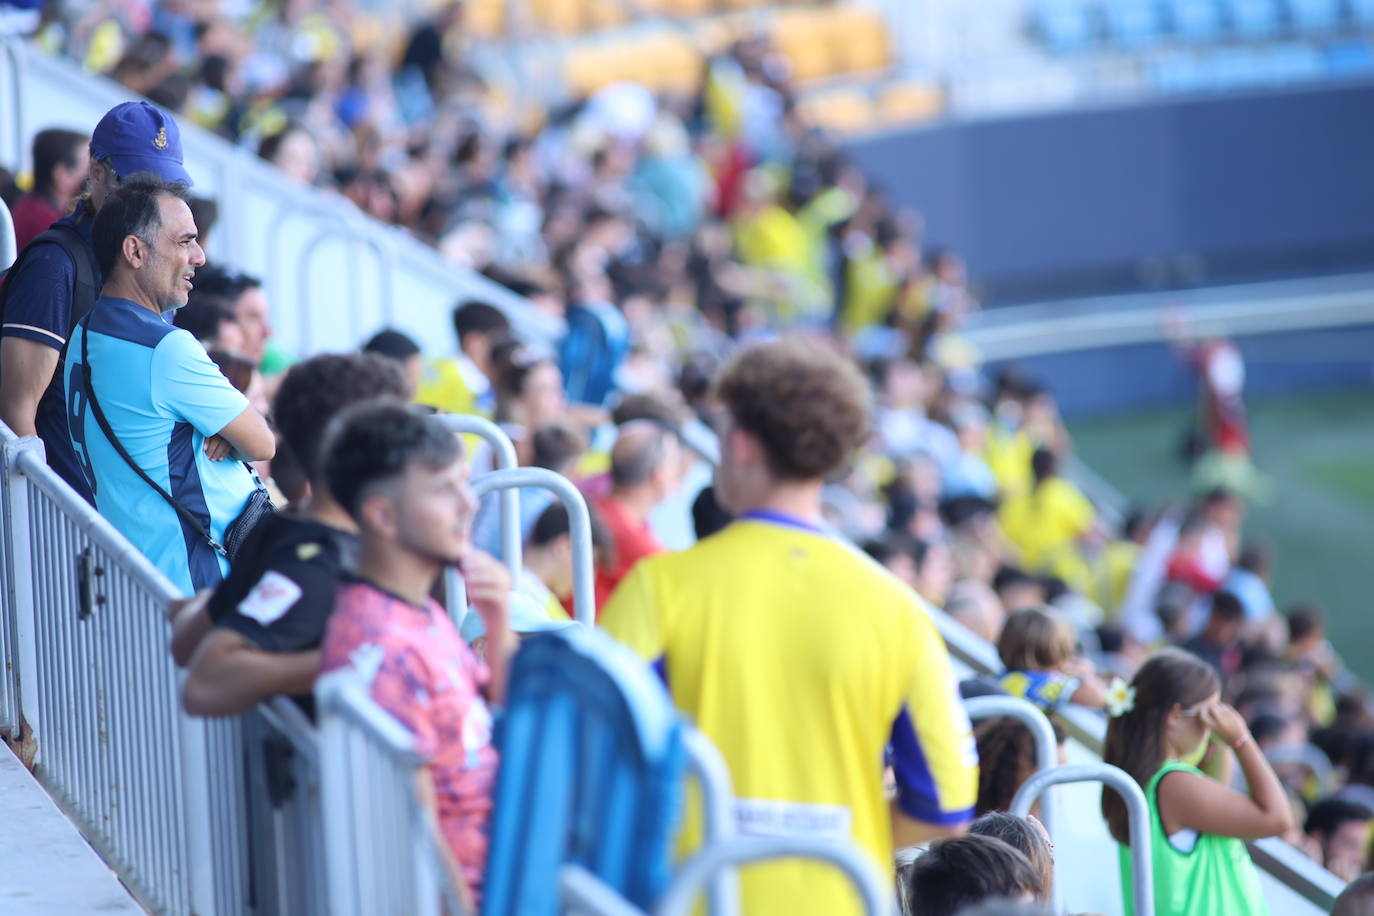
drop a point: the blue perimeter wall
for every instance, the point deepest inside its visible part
(1170, 193)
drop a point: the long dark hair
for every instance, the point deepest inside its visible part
(1135, 740)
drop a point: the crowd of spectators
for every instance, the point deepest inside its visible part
(668, 233)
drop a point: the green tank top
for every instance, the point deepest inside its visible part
(1216, 879)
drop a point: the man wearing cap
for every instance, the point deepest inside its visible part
(56, 281)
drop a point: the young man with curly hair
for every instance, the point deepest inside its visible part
(800, 658)
(258, 634)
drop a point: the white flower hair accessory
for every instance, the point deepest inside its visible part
(1120, 698)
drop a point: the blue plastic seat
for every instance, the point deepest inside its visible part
(1066, 26)
(1295, 63)
(1133, 23)
(1253, 18)
(1315, 16)
(1362, 12)
(1195, 20)
(592, 764)
(1180, 73)
(1349, 58)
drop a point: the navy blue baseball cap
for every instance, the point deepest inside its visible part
(140, 137)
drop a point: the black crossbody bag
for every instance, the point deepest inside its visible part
(259, 504)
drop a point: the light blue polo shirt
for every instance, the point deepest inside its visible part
(162, 397)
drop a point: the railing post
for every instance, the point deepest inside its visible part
(1046, 752)
(1117, 779)
(579, 521)
(23, 702)
(718, 815)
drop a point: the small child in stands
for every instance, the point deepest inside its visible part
(1040, 652)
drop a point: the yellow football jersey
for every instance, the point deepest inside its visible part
(803, 661)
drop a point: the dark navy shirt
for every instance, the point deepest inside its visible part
(39, 308)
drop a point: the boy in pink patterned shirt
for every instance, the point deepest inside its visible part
(402, 477)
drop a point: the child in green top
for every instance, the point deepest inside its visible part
(1173, 734)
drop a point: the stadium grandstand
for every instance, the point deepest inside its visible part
(652, 456)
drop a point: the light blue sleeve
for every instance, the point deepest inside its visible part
(188, 386)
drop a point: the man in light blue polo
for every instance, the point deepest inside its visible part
(175, 415)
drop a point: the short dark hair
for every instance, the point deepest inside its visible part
(392, 344)
(1326, 816)
(1357, 899)
(1304, 620)
(373, 443)
(554, 522)
(229, 285)
(313, 392)
(555, 444)
(130, 209)
(473, 317)
(808, 406)
(203, 315)
(1227, 607)
(1018, 833)
(953, 874)
(52, 148)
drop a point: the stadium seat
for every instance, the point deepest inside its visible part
(1238, 68)
(1066, 26)
(592, 765)
(1134, 23)
(841, 110)
(485, 18)
(1316, 16)
(1349, 59)
(1253, 18)
(1362, 12)
(1195, 20)
(1181, 72)
(1293, 63)
(909, 102)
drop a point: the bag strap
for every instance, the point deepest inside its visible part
(86, 283)
(85, 275)
(186, 515)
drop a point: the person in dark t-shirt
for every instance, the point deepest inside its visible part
(258, 633)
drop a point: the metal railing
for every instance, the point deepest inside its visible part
(385, 285)
(160, 795)
(1142, 872)
(1046, 757)
(703, 867)
(579, 522)
(287, 848)
(9, 248)
(381, 842)
(504, 458)
(708, 768)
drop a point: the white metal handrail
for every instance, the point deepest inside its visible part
(385, 264)
(9, 248)
(701, 869)
(380, 840)
(579, 522)
(1117, 779)
(1046, 751)
(503, 459)
(159, 794)
(705, 764)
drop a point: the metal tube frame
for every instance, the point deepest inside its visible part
(705, 764)
(504, 459)
(579, 520)
(701, 868)
(1046, 749)
(352, 236)
(12, 51)
(1117, 779)
(9, 248)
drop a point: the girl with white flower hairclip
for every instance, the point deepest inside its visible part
(1170, 731)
